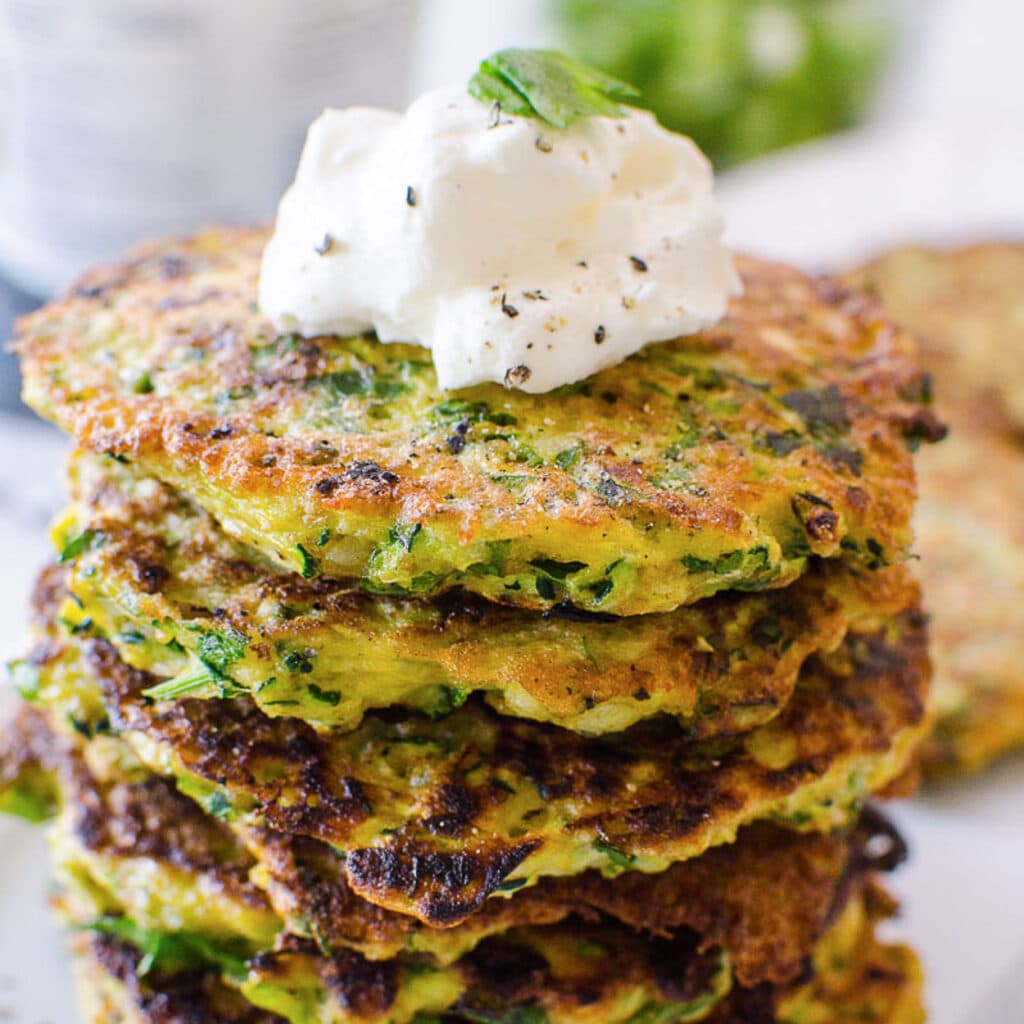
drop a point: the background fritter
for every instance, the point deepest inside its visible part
(713, 462)
(967, 305)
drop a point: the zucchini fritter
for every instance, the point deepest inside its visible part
(720, 461)
(28, 764)
(179, 598)
(435, 816)
(855, 978)
(971, 542)
(968, 306)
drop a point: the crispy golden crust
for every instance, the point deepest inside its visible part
(145, 819)
(855, 977)
(970, 535)
(713, 462)
(765, 899)
(435, 816)
(164, 583)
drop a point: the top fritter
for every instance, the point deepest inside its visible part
(717, 461)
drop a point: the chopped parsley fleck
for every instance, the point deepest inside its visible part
(219, 649)
(309, 567)
(404, 534)
(512, 884)
(331, 697)
(615, 855)
(557, 570)
(569, 457)
(297, 661)
(87, 540)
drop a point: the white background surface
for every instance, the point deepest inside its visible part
(944, 161)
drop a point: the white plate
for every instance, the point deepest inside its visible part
(35, 983)
(824, 205)
(828, 205)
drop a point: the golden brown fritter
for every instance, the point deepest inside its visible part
(714, 462)
(969, 307)
(178, 598)
(435, 816)
(855, 978)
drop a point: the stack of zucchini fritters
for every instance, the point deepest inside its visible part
(364, 702)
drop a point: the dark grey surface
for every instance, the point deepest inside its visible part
(12, 304)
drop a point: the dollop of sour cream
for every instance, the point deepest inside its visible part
(516, 252)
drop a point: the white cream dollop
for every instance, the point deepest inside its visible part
(516, 252)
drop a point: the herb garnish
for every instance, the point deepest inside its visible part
(87, 540)
(615, 855)
(174, 951)
(549, 86)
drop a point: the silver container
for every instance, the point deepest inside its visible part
(123, 119)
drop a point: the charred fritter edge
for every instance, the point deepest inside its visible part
(965, 304)
(766, 899)
(130, 844)
(856, 978)
(498, 803)
(714, 462)
(178, 598)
